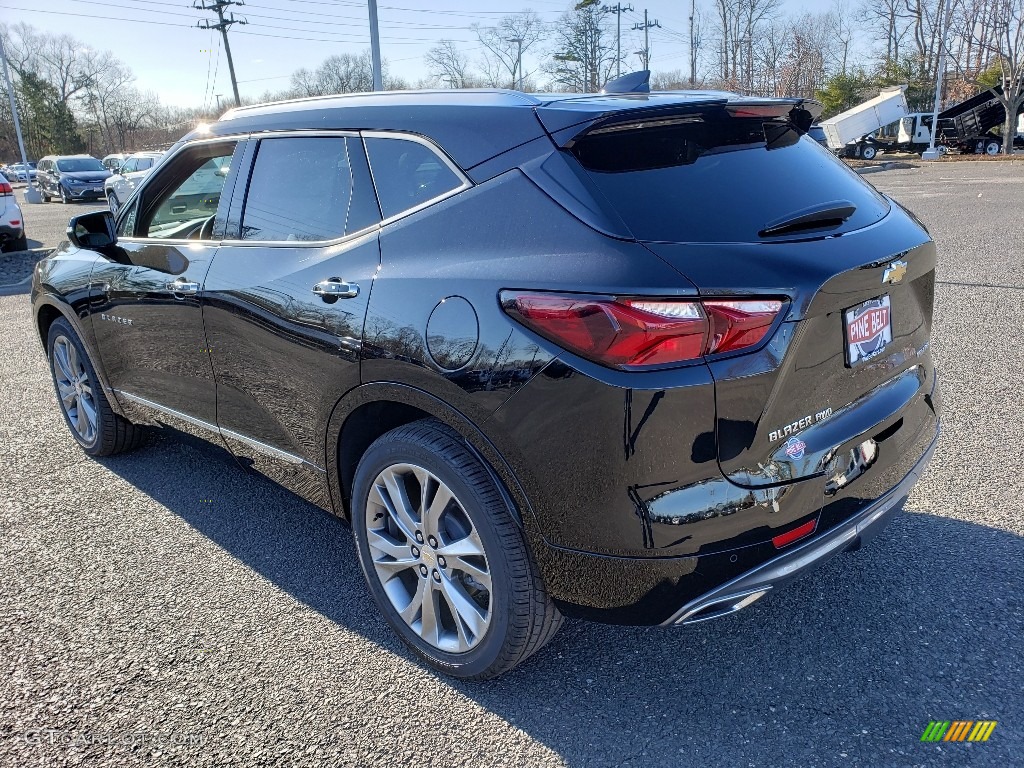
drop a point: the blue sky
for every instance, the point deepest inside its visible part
(158, 39)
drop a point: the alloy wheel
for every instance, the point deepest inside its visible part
(429, 558)
(75, 389)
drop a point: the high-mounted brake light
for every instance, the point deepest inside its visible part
(631, 333)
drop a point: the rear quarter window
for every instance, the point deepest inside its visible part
(407, 174)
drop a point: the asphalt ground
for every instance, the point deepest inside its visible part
(165, 608)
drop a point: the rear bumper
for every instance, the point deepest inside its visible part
(757, 582)
(682, 590)
(8, 232)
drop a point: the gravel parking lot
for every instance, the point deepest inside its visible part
(45, 225)
(166, 608)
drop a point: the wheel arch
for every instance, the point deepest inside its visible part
(371, 410)
(49, 308)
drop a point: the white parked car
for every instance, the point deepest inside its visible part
(18, 172)
(113, 162)
(127, 177)
(12, 223)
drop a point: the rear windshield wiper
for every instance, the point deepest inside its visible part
(821, 216)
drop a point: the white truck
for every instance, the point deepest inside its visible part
(851, 126)
(885, 124)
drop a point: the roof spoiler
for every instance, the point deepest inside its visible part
(634, 82)
(801, 113)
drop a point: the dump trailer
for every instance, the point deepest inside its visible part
(850, 126)
(965, 126)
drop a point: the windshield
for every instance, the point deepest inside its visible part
(79, 164)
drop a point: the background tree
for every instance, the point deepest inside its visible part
(341, 73)
(502, 54)
(584, 49)
(449, 65)
(843, 91)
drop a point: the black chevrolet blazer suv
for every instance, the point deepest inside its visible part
(635, 357)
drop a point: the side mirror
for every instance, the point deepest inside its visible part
(93, 230)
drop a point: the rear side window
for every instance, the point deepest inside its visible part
(308, 189)
(718, 178)
(408, 174)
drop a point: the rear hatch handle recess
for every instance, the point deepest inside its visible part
(821, 216)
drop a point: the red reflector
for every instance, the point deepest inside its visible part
(787, 538)
(15, 222)
(630, 333)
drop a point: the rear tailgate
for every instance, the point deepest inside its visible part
(744, 207)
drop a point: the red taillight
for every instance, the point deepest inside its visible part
(632, 332)
(787, 538)
(739, 324)
(5, 188)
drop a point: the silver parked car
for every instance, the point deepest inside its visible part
(120, 186)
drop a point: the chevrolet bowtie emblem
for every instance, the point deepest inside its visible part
(895, 272)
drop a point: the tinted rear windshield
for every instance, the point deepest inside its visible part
(717, 178)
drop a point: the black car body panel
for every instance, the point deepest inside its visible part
(637, 490)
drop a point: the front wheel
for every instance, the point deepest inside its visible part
(87, 413)
(443, 555)
(64, 196)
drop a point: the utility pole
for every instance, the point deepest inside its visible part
(618, 10)
(693, 44)
(517, 82)
(31, 193)
(222, 26)
(646, 27)
(378, 78)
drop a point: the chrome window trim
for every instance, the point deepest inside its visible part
(158, 165)
(405, 136)
(359, 233)
(262, 447)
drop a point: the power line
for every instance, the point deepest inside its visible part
(223, 25)
(645, 55)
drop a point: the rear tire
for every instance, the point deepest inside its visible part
(869, 153)
(452, 575)
(113, 203)
(87, 413)
(992, 147)
(18, 244)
